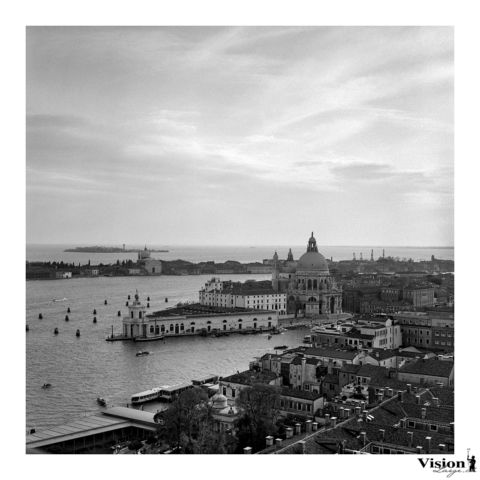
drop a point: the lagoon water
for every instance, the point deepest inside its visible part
(82, 369)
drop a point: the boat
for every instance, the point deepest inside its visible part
(47, 385)
(61, 300)
(141, 354)
(281, 347)
(77, 333)
(55, 331)
(101, 401)
(171, 393)
(149, 339)
(146, 396)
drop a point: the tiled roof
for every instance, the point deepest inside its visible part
(381, 354)
(249, 377)
(446, 396)
(331, 353)
(373, 371)
(294, 392)
(350, 368)
(431, 367)
(434, 414)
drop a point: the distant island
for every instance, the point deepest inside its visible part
(108, 250)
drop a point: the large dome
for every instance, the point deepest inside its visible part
(312, 261)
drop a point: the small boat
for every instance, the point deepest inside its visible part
(101, 401)
(149, 339)
(61, 300)
(55, 331)
(77, 333)
(47, 385)
(141, 354)
(281, 347)
(166, 300)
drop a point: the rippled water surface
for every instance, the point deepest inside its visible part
(81, 369)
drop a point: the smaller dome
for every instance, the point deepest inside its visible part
(219, 401)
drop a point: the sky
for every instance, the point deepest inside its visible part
(240, 135)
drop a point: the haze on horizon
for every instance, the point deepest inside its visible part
(240, 135)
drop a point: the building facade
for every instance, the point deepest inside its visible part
(308, 284)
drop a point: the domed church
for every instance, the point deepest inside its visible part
(309, 286)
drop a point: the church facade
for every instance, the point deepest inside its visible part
(307, 282)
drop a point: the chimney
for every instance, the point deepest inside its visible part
(419, 450)
(329, 368)
(364, 413)
(363, 438)
(400, 396)
(308, 426)
(302, 444)
(417, 399)
(442, 446)
(247, 450)
(380, 396)
(452, 424)
(362, 404)
(334, 422)
(298, 428)
(410, 438)
(390, 392)
(358, 411)
(289, 431)
(314, 426)
(440, 385)
(409, 388)
(414, 389)
(424, 413)
(382, 434)
(340, 410)
(435, 401)
(429, 444)
(278, 443)
(269, 441)
(327, 419)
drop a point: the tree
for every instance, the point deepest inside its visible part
(261, 407)
(182, 422)
(210, 441)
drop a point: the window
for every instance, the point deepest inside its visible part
(434, 428)
(233, 393)
(411, 424)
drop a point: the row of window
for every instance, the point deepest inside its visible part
(300, 406)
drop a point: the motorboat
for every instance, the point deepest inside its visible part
(141, 354)
(61, 300)
(101, 401)
(77, 333)
(47, 385)
(281, 347)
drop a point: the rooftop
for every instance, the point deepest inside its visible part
(331, 353)
(295, 392)
(430, 367)
(249, 377)
(197, 309)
